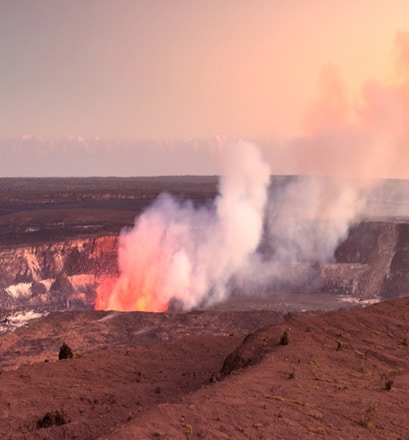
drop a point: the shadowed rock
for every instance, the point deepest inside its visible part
(65, 352)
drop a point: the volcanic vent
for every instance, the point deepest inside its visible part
(256, 235)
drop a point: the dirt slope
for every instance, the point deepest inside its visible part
(343, 375)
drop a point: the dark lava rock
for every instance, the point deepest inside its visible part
(65, 352)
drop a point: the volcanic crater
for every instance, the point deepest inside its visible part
(215, 372)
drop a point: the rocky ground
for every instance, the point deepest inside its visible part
(58, 242)
(253, 368)
(343, 374)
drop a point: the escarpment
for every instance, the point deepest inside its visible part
(56, 275)
(372, 262)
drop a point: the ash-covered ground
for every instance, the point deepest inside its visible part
(218, 371)
(59, 240)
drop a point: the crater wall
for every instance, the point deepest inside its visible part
(373, 262)
(57, 275)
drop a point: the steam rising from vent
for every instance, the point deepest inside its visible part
(306, 218)
(254, 237)
(248, 239)
(179, 253)
(309, 215)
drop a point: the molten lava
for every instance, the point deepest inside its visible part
(177, 253)
(126, 295)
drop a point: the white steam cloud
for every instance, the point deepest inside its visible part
(258, 237)
(306, 219)
(186, 254)
(248, 237)
(310, 215)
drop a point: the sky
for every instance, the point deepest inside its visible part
(127, 87)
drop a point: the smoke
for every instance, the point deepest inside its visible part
(250, 239)
(258, 236)
(177, 253)
(306, 219)
(363, 135)
(309, 216)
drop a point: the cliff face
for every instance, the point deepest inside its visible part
(396, 282)
(373, 262)
(56, 275)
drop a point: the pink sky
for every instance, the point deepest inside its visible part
(169, 70)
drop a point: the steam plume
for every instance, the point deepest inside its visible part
(365, 137)
(176, 252)
(252, 237)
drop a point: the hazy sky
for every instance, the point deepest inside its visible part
(84, 82)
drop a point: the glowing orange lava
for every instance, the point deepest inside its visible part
(127, 295)
(103, 293)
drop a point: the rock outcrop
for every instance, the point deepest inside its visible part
(373, 262)
(55, 275)
(369, 263)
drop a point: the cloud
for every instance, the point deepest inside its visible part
(362, 137)
(73, 156)
(178, 252)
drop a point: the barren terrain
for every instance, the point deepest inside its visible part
(343, 374)
(222, 373)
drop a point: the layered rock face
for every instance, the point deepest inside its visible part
(370, 263)
(373, 262)
(58, 236)
(57, 275)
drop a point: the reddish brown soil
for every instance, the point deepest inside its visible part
(343, 375)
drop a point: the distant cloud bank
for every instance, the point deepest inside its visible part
(30, 156)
